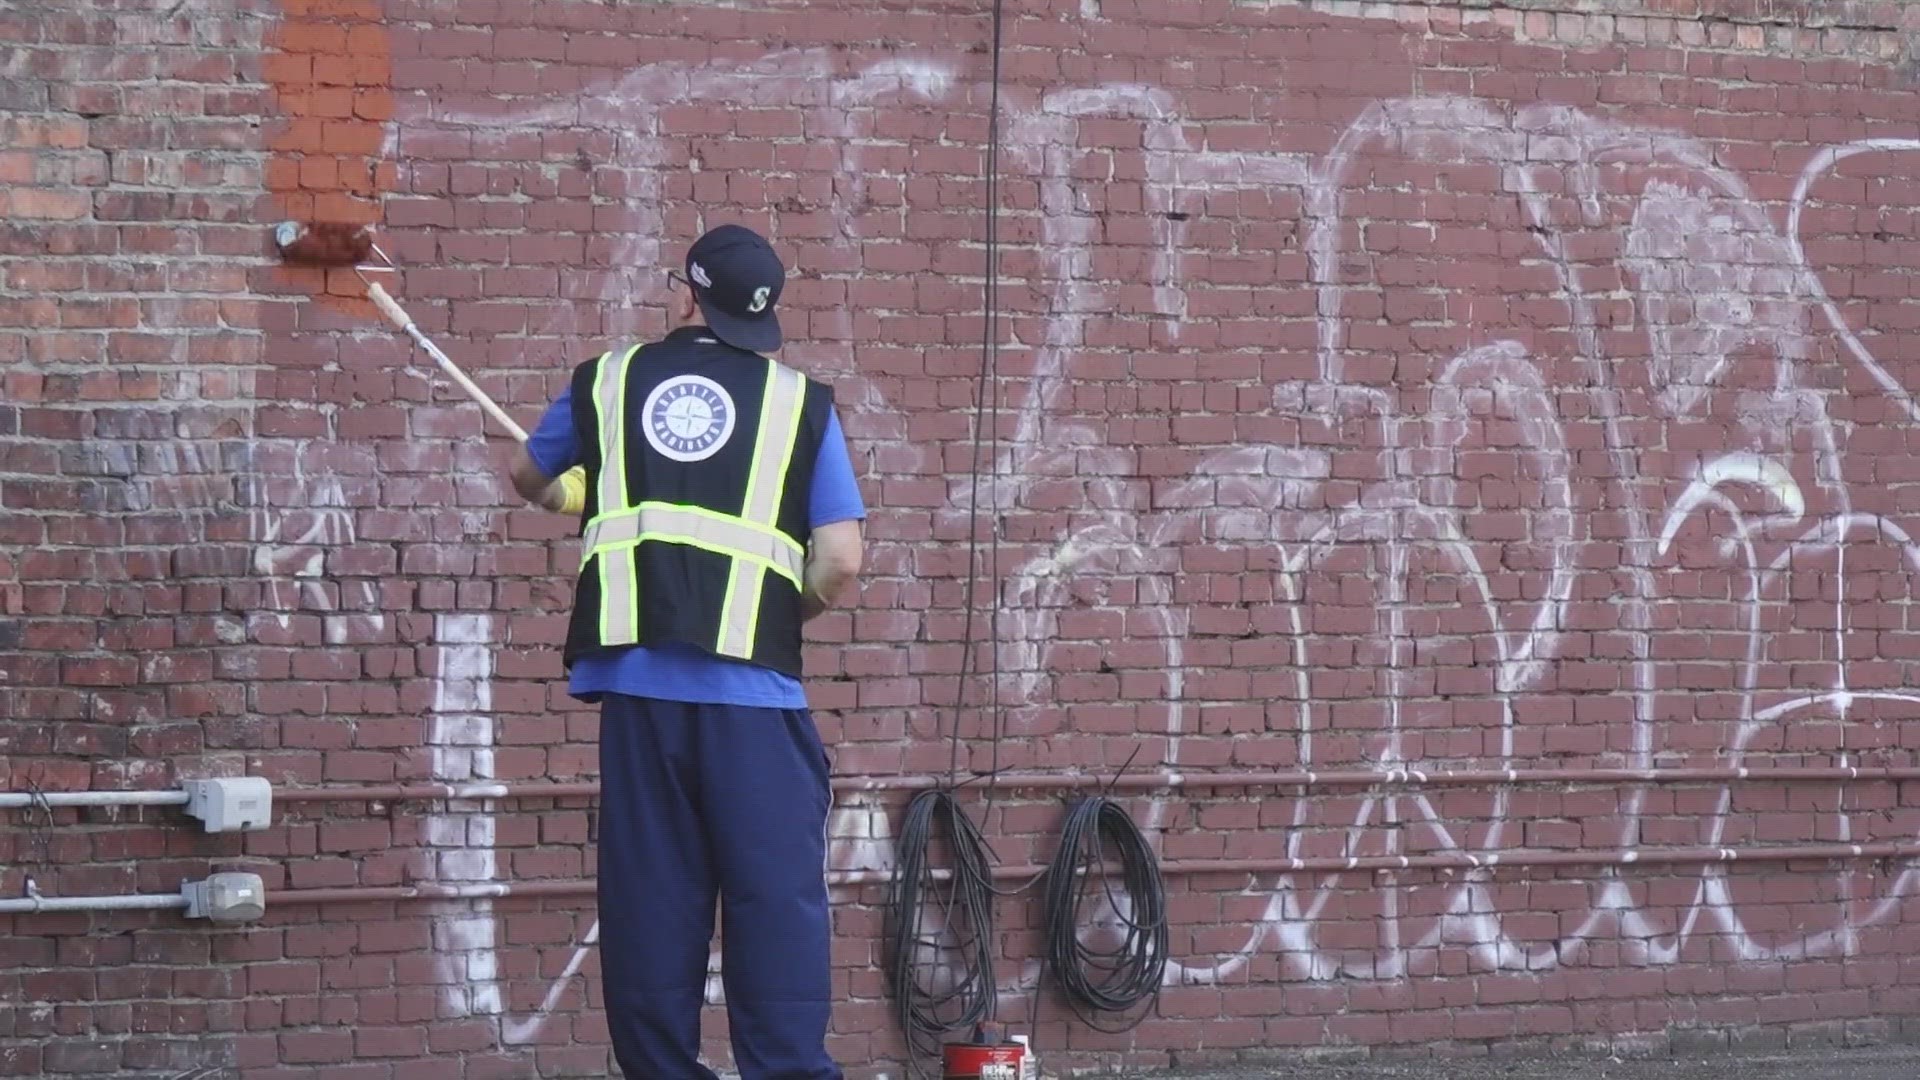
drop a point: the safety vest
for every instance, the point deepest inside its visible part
(699, 460)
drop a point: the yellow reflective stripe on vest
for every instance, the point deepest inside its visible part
(696, 526)
(779, 426)
(619, 573)
(780, 409)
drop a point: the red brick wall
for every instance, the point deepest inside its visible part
(1448, 391)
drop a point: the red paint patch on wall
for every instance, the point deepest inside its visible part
(330, 71)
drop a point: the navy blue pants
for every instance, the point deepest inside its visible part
(699, 801)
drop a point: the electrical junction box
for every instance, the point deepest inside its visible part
(228, 898)
(231, 803)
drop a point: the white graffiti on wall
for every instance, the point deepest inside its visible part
(1681, 234)
(1682, 231)
(1722, 304)
(291, 547)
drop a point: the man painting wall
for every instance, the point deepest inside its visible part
(721, 514)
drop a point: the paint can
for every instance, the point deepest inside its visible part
(983, 1057)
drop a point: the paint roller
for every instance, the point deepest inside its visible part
(335, 244)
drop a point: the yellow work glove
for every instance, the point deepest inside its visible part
(573, 491)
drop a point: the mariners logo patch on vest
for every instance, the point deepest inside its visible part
(688, 418)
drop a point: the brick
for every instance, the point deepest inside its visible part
(308, 1047)
(82, 1056)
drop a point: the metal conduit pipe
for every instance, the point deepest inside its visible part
(489, 890)
(1409, 777)
(1467, 861)
(1160, 781)
(1453, 861)
(1163, 781)
(529, 790)
(1448, 861)
(33, 905)
(11, 800)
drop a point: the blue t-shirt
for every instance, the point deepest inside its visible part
(685, 673)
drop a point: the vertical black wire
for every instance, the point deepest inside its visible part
(989, 394)
(967, 908)
(986, 417)
(990, 362)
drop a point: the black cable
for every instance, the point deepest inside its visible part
(1116, 980)
(926, 1013)
(990, 361)
(986, 418)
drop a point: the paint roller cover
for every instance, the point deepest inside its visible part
(323, 243)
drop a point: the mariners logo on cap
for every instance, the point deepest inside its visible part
(689, 418)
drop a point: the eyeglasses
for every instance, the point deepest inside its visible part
(675, 280)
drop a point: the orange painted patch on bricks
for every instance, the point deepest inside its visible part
(331, 73)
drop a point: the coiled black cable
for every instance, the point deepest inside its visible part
(1106, 981)
(926, 1013)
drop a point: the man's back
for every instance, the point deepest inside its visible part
(682, 671)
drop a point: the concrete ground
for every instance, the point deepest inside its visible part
(1824, 1063)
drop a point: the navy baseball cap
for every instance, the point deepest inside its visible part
(737, 280)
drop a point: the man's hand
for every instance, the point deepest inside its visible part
(833, 561)
(567, 494)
